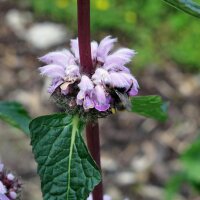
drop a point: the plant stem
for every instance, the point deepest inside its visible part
(84, 36)
(92, 129)
(93, 141)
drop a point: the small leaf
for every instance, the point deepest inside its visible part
(188, 6)
(150, 106)
(191, 161)
(66, 169)
(174, 185)
(14, 114)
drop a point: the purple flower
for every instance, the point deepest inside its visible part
(61, 67)
(10, 177)
(92, 97)
(101, 76)
(72, 74)
(119, 57)
(62, 58)
(53, 71)
(104, 48)
(3, 189)
(86, 84)
(94, 91)
(101, 99)
(85, 95)
(94, 47)
(124, 80)
(3, 197)
(10, 187)
(116, 68)
(56, 82)
(13, 195)
(75, 48)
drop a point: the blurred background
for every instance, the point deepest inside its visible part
(141, 159)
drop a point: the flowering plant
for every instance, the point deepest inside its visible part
(88, 82)
(85, 95)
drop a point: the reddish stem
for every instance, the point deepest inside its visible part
(84, 35)
(92, 129)
(93, 141)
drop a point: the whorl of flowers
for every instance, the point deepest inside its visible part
(98, 93)
(10, 187)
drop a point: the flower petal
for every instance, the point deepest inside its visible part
(118, 80)
(10, 177)
(52, 71)
(3, 189)
(100, 94)
(72, 71)
(101, 101)
(116, 68)
(133, 92)
(105, 47)
(85, 84)
(134, 89)
(13, 195)
(64, 88)
(101, 76)
(106, 197)
(94, 47)
(75, 47)
(3, 197)
(123, 80)
(88, 103)
(55, 83)
(62, 58)
(120, 57)
(80, 97)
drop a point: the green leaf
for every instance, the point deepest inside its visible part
(187, 6)
(191, 161)
(173, 186)
(14, 114)
(66, 169)
(150, 106)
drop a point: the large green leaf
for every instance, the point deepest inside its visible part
(14, 114)
(66, 169)
(150, 106)
(188, 6)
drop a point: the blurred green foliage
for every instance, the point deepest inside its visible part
(189, 6)
(190, 174)
(157, 31)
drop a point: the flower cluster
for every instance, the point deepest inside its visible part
(99, 92)
(10, 187)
